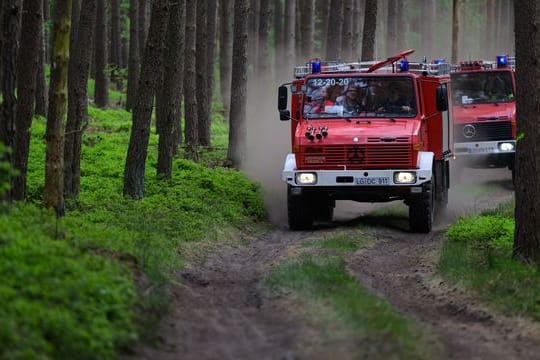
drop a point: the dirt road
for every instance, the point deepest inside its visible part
(221, 311)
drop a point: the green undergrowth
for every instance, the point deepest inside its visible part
(318, 276)
(478, 255)
(87, 285)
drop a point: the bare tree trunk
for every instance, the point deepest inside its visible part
(78, 98)
(333, 42)
(26, 86)
(172, 81)
(391, 37)
(190, 87)
(101, 91)
(290, 18)
(201, 54)
(263, 55)
(346, 35)
(211, 22)
(527, 210)
(253, 30)
(323, 12)
(238, 121)
(306, 28)
(46, 18)
(41, 84)
(134, 60)
(427, 27)
(115, 44)
(357, 26)
(143, 4)
(226, 8)
(140, 131)
(53, 193)
(455, 30)
(370, 25)
(278, 38)
(10, 24)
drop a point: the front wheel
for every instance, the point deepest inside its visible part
(421, 211)
(299, 211)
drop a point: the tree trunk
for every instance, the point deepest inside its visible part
(357, 32)
(335, 26)
(527, 210)
(392, 31)
(26, 86)
(101, 91)
(427, 27)
(347, 35)
(370, 25)
(46, 18)
(263, 55)
(290, 18)
(306, 28)
(190, 87)
(237, 130)
(278, 38)
(143, 4)
(78, 98)
(53, 193)
(455, 31)
(134, 60)
(226, 8)
(172, 81)
(323, 13)
(253, 30)
(142, 112)
(41, 84)
(202, 72)
(115, 45)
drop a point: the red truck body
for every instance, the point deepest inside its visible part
(368, 132)
(484, 113)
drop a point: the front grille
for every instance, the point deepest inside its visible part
(363, 156)
(492, 131)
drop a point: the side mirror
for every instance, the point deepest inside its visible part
(284, 115)
(282, 98)
(442, 98)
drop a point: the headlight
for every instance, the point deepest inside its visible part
(404, 177)
(506, 146)
(306, 178)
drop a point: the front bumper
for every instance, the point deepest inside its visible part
(483, 148)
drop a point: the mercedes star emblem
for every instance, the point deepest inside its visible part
(469, 131)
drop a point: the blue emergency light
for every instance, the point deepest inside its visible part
(439, 61)
(315, 66)
(403, 66)
(502, 60)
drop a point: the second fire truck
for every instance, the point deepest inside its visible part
(484, 113)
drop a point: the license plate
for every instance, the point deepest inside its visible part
(373, 181)
(481, 150)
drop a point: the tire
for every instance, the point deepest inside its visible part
(324, 209)
(300, 214)
(421, 211)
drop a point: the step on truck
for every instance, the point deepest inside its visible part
(374, 131)
(484, 113)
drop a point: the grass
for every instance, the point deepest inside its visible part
(344, 308)
(88, 285)
(478, 255)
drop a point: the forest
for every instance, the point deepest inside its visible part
(139, 137)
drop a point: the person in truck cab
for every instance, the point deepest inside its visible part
(317, 99)
(395, 101)
(497, 88)
(351, 99)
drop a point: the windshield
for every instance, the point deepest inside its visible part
(359, 96)
(482, 87)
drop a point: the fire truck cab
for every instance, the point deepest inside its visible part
(484, 113)
(368, 132)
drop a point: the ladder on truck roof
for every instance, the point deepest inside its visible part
(388, 65)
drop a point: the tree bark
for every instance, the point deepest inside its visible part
(26, 91)
(527, 188)
(356, 26)
(335, 26)
(143, 4)
(191, 135)
(101, 91)
(202, 72)
(290, 20)
(455, 31)
(278, 38)
(323, 13)
(226, 8)
(306, 28)
(171, 88)
(238, 122)
(134, 60)
(53, 193)
(41, 84)
(347, 31)
(253, 30)
(78, 98)
(140, 131)
(370, 27)
(115, 45)
(263, 54)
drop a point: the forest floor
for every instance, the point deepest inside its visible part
(221, 310)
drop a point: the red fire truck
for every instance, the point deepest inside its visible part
(368, 132)
(484, 113)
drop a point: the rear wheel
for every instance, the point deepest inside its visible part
(300, 214)
(421, 211)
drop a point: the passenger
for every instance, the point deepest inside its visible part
(317, 101)
(396, 101)
(497, 89)
(351, 99)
